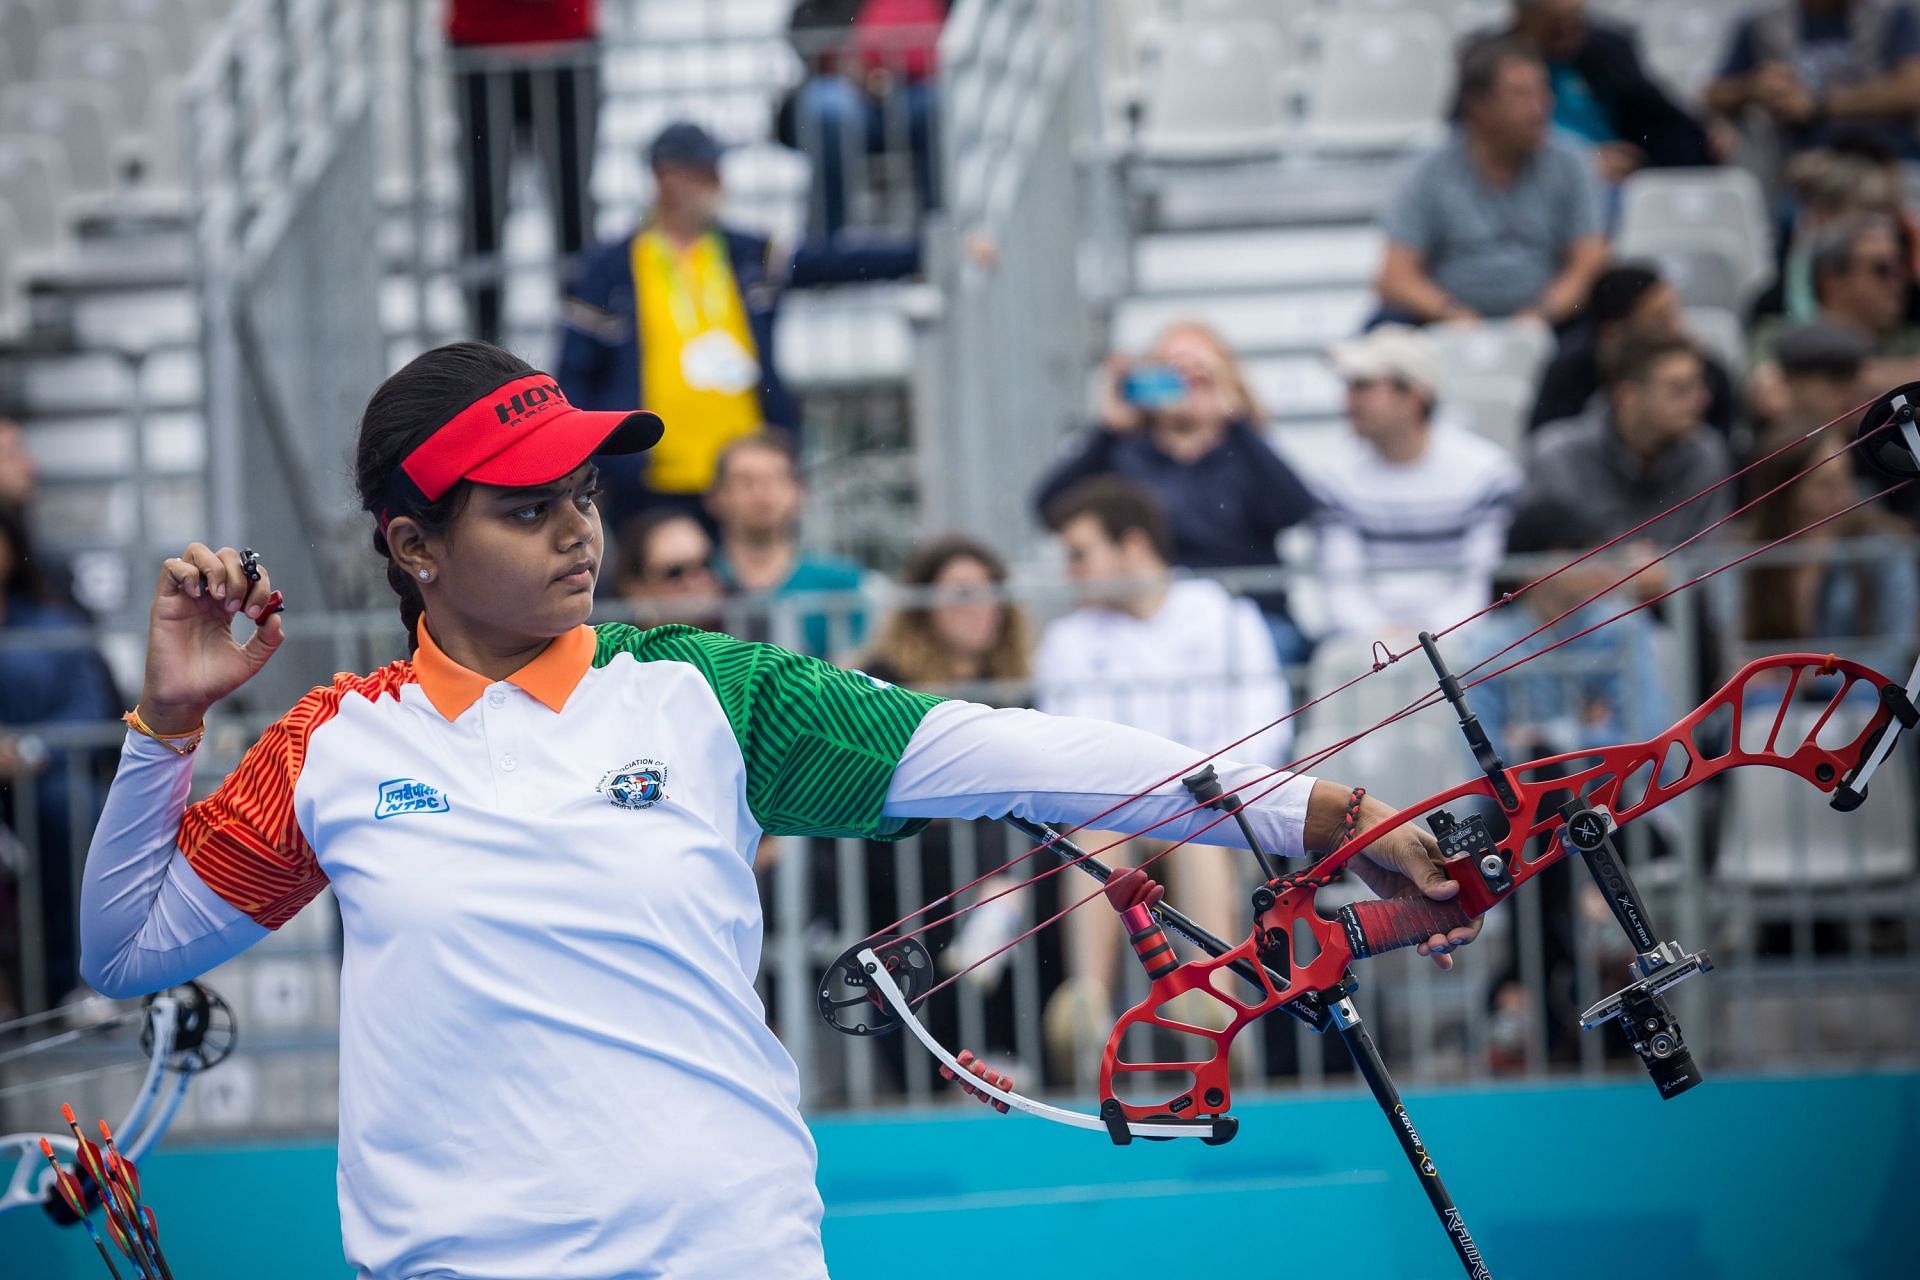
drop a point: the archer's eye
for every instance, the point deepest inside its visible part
(528, 514)
(586, 497)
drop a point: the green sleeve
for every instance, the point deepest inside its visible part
(820, 743)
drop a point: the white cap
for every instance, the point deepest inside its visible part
(1390, 351)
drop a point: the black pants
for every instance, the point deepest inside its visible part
(555, 109)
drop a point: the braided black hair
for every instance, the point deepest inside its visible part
(408, 407)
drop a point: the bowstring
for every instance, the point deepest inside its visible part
(1429, 699)
(1292, 769)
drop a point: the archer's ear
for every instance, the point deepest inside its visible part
(407, 544)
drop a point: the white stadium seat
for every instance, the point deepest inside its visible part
(13, 304)
(1721, 334)
(1489, 374)
(181, 24)
(1378, 85)
(21, 26)
(79, 117)
(1694, 212)
(127, 60)
(33, 184)
(1213, 96)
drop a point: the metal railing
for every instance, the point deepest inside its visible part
(1007, 350)
(1813, 918)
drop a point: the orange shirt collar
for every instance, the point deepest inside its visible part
(551, 677)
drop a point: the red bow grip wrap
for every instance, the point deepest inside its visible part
(1387, 924)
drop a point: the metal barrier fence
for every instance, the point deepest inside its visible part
(1812, 917)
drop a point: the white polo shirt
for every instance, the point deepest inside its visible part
(542, 907)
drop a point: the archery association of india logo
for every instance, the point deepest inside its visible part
(641, 784)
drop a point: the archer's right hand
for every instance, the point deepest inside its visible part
(192, 660)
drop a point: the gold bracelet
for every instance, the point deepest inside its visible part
(179, 743)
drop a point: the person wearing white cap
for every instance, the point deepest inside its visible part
(1416, 510)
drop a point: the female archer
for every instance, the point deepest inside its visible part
(540, 834)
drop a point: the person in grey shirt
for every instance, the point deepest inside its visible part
(1502, 219)
(1644, 447)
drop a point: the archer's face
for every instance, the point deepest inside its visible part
(520, 564)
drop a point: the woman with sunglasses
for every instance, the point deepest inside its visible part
(540, 834)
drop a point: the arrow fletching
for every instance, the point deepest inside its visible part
(69, 1187)
(122, 1168)
(152, 1223)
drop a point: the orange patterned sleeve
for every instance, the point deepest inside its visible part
(243, 840)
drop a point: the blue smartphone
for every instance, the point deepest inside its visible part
(1153, 386)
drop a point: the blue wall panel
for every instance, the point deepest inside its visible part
(1740, 1180)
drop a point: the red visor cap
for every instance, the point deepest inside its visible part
(524, 433)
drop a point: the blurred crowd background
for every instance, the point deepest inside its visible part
(1142, 359)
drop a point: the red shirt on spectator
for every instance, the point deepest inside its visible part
(519, 21)
(899, 35)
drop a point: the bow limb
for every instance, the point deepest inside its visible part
(1214, 1131)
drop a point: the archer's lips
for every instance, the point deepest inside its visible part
(580, 576)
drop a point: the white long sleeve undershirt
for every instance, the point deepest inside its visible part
(972, 761)
(147, 920)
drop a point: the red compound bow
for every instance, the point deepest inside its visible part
(1828, 720)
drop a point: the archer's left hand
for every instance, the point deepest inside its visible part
(1404, 863)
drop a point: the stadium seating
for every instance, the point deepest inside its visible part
(1489, 373)
(179, 24)
(1685, 217)
(33, 185)
(1720, 332)
(1213, 95)
(79, 116)
(1377, 86)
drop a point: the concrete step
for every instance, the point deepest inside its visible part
(1263, 257)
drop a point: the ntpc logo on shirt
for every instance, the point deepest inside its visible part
(408, 795)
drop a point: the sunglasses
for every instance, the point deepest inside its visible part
(680, 571)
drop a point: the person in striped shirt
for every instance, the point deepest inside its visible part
(540, 834)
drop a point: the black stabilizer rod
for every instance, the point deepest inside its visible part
(1483, 753)
(1373, 1069)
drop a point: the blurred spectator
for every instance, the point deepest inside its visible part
(1602, 688)
(1820, 378)
(679, 316)
(1811, 67)
(1416, 510)
(1824, 596)
(869, 91)
(666, 568)
(1639, 451)
(1182, 423)
(966, 634)
(1174, 655)
(1860, 283)
(1179, 657)
(1857, 174)
(1503, 218)
(49, 795)
(1602, 93)
(526, 73)
(1629, 303)
(19, 474)
(756, 500)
